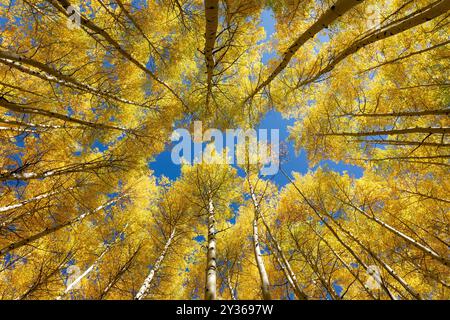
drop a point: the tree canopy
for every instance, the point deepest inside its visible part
(91, 91)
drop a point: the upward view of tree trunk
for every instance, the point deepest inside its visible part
(290, 274)
(265, 284)
(143, 291)
(211, 263)
(57, 227)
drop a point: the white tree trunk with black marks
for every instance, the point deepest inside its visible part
(265, 284)
(143, 291)
(57, 227)
(286, 266)
(211, 267)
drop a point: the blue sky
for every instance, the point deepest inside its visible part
(163, 165)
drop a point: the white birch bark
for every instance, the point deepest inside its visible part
(45, 72)
(212, 21)
(420, 16)
(334, 233)
(286, 266)
(211, 268)
(265, 284)
(405, 237)
(334, 12)
(57, 227)
(143, 291)
(92, 29)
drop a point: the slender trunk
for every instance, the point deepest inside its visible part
(287, 275)
(138, 27)
(329, 288)
(70, 168)
(325, 284)
(24, 202)
(405, 237)
(336, 236)
(35, 126)
(420, 16)
(387, 267)
(265, 284)
(286, 266)
(119, 274)
(345, 264)
(94, 31)
(211, 269)
(445, 111)
(212, 21)
(55, 228)
(329, 16)
(230, 287)
(27, 109)
(143, 291)
(83, 275)
(4, 223)
(44, 278)
(430, 130)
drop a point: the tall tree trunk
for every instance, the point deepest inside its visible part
(124, 268)
(143, 291)
(418, 17)
(387, 267)
(345, 264)
(91, 267)
(57, 227)
(286, 274)
(49, 74)
(336, 236)
(445, 111)
(285, 265)
(84, 274)
(212, 21)
(230, 287)
(400, 234)
(265, 284)
(211, 269)
(328, 17)
(9, 220)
